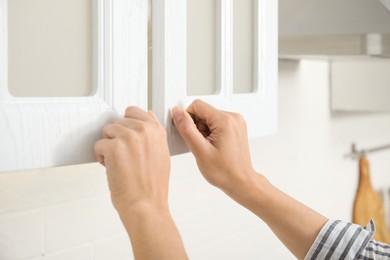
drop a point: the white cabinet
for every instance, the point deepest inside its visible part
(38, 132)
(173, 47)
(360, 84)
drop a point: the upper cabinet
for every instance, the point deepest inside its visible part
(69, 68)
(220, 51)
(354, 35)
(44, 47)
(334, 27)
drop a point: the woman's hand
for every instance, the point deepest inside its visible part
(135, 152)
(219, 142)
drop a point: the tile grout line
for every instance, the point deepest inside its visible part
(44, 233)
(42, 207)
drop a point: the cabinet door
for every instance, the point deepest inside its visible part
(223, 43)
(38, 132)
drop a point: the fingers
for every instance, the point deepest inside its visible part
(190, 133)
(203, 111)
(100, 149)
(135, 121)
(137, 113)
(112, 130)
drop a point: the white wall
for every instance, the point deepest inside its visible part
(65, 213)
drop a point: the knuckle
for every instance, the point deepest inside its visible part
(228, 120)
(106, 129)
(117, 147)
(129, 110)
(234, 120)
(144, 128)
(118, 121)
(196, 103)
(96, 147)
(239, 118)
(127, 135)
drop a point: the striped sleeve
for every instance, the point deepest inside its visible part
(375, 250)
(343, 240)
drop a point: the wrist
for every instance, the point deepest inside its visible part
(142, 208)
(142, 213)
(253, 189)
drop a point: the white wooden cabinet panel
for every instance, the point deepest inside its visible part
(259, 107)
(53, 131)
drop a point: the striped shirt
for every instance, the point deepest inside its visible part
(343, 240)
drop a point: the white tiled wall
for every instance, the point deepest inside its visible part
(65, 213)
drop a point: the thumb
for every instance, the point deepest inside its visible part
(187, 129)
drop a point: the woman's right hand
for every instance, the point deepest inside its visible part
(219, 142)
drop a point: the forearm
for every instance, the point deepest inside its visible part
(153, 234)
(296, 225)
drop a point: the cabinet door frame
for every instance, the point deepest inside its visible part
(259, 107)
(42, 132)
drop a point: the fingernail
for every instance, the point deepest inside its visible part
(177, 114)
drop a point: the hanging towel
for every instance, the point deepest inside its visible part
(369, 205)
